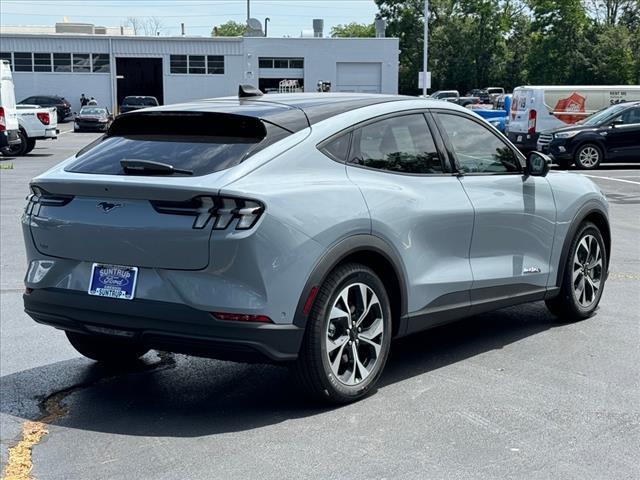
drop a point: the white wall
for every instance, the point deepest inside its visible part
(67, 85)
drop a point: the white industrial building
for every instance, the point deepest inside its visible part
(176, 69)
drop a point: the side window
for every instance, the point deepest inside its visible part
(476, 148)
(398, 144)
(631, 116)
(338, 148)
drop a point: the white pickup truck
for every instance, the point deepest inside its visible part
(35, 123)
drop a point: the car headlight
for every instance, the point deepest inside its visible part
(570, 134)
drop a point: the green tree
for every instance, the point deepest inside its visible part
(229, 29)
(353, 30)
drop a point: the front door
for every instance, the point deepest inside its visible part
(515, 215)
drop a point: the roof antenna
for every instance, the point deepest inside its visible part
(248, 91)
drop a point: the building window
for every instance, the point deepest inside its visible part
(100, 62)
(196, 64)
(41, 62)
(61, 62)
(81, 62)
(7, 56)
(283, 62)
(23, 62)
(215, 64)
(178, 63)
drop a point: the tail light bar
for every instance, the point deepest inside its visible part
(43, 117)
(222, 210)
(40, 197)
(241, 317)
(533, 115)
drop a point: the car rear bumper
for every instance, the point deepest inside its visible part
(524, 141)
(9, 137)
(164, 326)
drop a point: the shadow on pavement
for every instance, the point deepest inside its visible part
(180, 396)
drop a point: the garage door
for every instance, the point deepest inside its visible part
(358, 77)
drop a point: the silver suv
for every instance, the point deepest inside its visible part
(309, 229)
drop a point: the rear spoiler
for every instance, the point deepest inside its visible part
(189, 124)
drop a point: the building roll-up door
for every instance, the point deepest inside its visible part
(362, 77)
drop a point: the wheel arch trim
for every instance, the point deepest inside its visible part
(589, 209)
(337, 253)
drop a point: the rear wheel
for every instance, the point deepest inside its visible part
(31, 144)
(584, 277)
(588, 156)
(18, 149)
(105, 349)
(347, 337)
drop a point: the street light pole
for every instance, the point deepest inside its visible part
(426, 47)
(248, 11)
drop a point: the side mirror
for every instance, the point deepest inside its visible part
(617, 122)
(537, 164)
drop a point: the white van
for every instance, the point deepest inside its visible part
(535, 109)
(8, 115)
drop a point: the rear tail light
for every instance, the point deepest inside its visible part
(223, 211)
(533, 115)
(241, 317)
(40, 197)
(43, 117)
(3, 121)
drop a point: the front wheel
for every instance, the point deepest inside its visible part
(584, 276)
(348, 336)
(106, 349)
(588, 156)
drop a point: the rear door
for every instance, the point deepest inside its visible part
(418, 206)
(623, 140)
(515, 215)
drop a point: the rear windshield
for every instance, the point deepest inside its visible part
(93, 111)
(145, 101)
(200, 144)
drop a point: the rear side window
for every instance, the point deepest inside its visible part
(338, 148)
(398, 144)
(198, 143)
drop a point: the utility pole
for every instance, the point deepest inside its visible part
(426, 47)
(248, 11)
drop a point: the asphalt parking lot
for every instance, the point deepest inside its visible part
(506, 395)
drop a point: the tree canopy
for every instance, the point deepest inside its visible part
(477, 43)
(229, 29)
(353, 30)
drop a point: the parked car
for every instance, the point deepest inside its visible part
(92, 119)
(611, 135)
(8, 116)
(453, 96)
(60, 103)
(303, 229)
(482, 94)
(35, 123)
(137, 102)
(494, 93)
(535, 109)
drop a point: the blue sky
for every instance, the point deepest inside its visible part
(288, 17)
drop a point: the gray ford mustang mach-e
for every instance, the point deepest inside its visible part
(303, 228)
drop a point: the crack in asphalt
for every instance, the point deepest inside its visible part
(52, 409)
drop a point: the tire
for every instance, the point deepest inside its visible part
(588, 156)
(570, 305)
(31, 144)
(327, 369)
(16, 150)
(106, 349)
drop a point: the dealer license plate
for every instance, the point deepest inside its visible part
(113, 281)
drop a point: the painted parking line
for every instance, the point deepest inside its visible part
(612, 179)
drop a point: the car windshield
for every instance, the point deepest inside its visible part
(144, 101)
(93, 111)
(603, 115)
